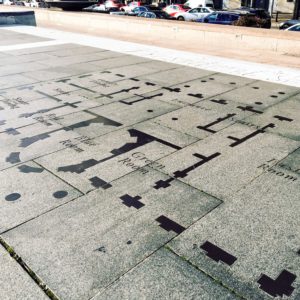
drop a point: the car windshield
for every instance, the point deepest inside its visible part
(212, 17)
(295, 28)
(162, 14)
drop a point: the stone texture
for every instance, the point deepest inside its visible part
(165, 276)
(28, 191)
(15, 283)
(259, 226)
(81, 247)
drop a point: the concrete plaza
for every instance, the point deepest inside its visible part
(124, 177)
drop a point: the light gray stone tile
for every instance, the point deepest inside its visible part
(164, 133)
(165, 276)
(108, 157)
(15, 80)
(83, 246)
(204, 118)
(28, 191)
(285, 115)
(260, 228)
(15, 283)
(176, 76)
(33, 141)
(219, 169)
(265, 93)
(19, 113)
(139, 110)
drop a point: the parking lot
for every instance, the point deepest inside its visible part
(199, 11)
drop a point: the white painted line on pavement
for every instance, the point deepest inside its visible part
(30, 45)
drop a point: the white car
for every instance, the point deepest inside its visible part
(194, 14)
(32, 3)
(130, 6)
(7, 2)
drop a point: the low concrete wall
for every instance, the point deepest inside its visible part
(183, 35)
(19, 17)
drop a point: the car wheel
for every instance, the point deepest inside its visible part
(180, 18)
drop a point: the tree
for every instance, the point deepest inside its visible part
(296, 9)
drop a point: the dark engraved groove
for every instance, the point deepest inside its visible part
(222, 102)
(281, 286)
(249, 136)
(99, 183)
(142, 99)
(142, 139)
(168, 225)
(249, 108)
(132, 201)
(218, 254)
(206, 127)
(13, 197)
(183, 173)
(29, 169)
(281, 118)
(13, 157)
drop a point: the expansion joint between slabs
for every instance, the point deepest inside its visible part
(27, 269)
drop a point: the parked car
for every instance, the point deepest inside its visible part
(8, 2)
(110, 5)
(141, 9)
(175, 8)
(221, 17)
(295, 27)
(263, 18)
(19, 3)
(193, 14)
(199, 3)
(287, 24)
(131, 6)
(155, 15)
(31, 3)
(91, 8)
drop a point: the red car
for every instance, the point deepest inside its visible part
(173, 9)
(111, 5)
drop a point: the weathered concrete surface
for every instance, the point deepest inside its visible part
(14, 282)
(128, 178)
(165, 276)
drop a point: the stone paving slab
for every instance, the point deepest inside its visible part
(285, 114)
(18, 112)
(33, 141)
(291, 162)
(265, 93)
(12, 38)
(81, 247)
(28, 191)
(203, 163)
(180, 75)
(259, 232)
(15, 80)
(15, 283)
(204, 118)
(165, 276)
(111, 156)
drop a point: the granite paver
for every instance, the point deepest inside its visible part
(128, 178)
